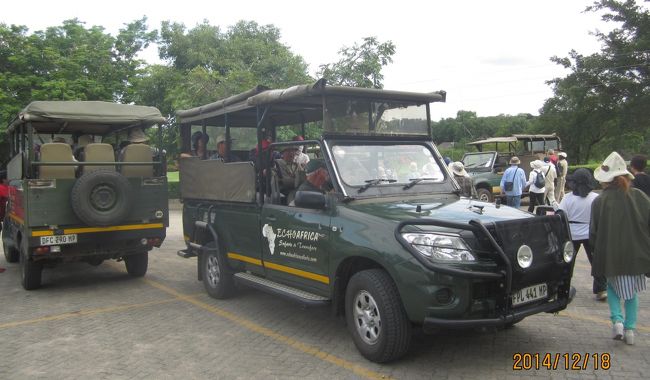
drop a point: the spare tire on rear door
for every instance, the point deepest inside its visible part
(101, 198)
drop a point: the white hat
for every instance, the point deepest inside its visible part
(562, 154)
(136, 135)
(537, 164)
(612, 167)
(458, 169)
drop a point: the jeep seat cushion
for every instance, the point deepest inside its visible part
(56, 152)
(137, 153)
(98, 153)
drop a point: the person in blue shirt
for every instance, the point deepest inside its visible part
(513, 183)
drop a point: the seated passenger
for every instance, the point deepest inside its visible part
(287, 169)
(316, 178)
(136, 136)
(221, 153)
(301, 157)
(199, 146)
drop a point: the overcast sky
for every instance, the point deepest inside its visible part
(491, 57)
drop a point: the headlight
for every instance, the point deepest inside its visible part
(439, 246)
(567, 252)
(524, 256)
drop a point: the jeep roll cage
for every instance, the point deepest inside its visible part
(95, 118)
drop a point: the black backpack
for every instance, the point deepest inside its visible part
(539, 180)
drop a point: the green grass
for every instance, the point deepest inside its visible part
(172, 176)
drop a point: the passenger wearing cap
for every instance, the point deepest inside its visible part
(461, 176)
(620, 235)
(535, 192)
(577, 206)
(563, 168)
(287, 170)
(316, 176)
(513, 183)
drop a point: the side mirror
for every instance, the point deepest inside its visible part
(310, 199)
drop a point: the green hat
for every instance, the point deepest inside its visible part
(314, 165)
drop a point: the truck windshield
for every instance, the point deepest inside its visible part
(478, 160)
(400, 164)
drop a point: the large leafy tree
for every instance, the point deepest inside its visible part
(604, 103)
(68, 62)
(360, 65)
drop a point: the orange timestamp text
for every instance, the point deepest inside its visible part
(568, 361)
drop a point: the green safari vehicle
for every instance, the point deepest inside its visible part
(73, 196)
(380, 234)
(486, 166)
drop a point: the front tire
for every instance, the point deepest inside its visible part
(217, 277)
(375, 316)
(485, 195)
(30, 272)
(136, 265)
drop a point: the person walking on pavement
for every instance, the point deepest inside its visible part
(577, 205)
(563, 168)
(513, 183)
(536, 185)
(550, 176)
(619, 231)
(641, 179)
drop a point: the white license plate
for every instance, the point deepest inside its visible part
(59, 239)
(530, 293)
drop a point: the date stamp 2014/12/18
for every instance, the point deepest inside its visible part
(561, 361)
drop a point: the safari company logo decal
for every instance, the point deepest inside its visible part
(296, 244)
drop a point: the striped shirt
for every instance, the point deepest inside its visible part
(627, 286)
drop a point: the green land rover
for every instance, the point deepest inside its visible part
(487, 166)
(380, 233)
(75, 197)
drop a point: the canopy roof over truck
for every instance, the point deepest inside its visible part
(297, 104)
(514, 138)
(93, 117)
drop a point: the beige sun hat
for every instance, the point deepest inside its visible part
(458, 169)
(562, 154)
(612, 167)
(515, 160)
(537, 164)
(136, 135)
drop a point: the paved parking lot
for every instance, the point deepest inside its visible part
(97, 322)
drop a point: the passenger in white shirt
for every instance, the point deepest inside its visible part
(577, 205)
(535, 193)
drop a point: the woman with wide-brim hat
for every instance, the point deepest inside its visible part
(577, 206)
(619, 231)
(461, 176)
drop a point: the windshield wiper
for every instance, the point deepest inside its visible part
(416, 181)
(374, 182)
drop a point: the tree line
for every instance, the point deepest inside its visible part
(601, 105)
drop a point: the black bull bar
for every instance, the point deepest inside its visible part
(506, 275)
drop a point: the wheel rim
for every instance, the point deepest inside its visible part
(367, 317)
(214, 273)
(483, 197)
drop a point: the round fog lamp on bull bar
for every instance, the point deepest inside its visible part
(568, 252)
(524, 256)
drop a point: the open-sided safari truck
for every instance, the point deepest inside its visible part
(387, 241)
(87, 201)
(488, 164)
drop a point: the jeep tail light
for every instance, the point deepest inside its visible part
(154, 242)
(41, 250)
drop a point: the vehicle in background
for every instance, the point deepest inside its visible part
(486, 166)
(387, 241)
(70, 199)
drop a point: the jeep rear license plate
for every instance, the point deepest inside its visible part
(59, 239)
(529, 294)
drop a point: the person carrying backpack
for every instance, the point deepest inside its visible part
(513, 183)
(537, 185)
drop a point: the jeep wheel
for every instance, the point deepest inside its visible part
(217, 277)
(30, 272)
(101, 198)
(136, 265)
(12, 255)
(485, 195)
(375, 316)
